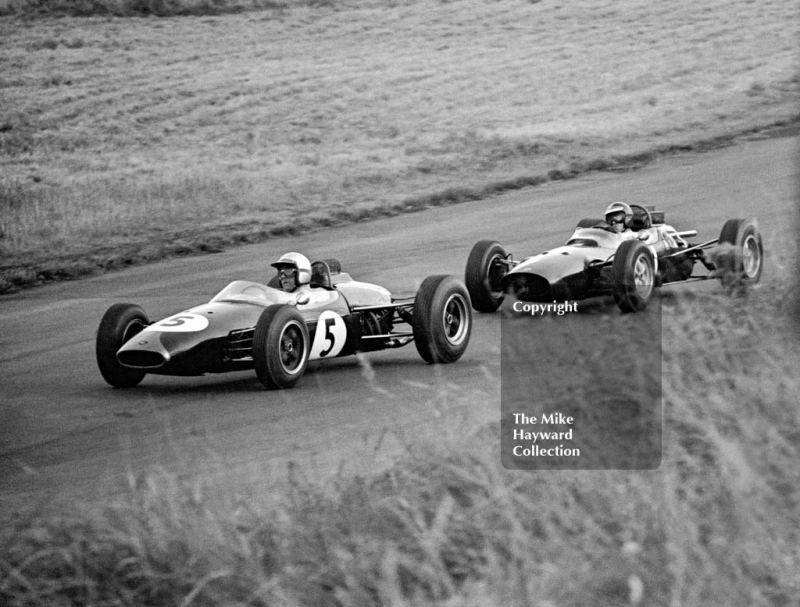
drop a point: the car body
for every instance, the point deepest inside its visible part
(597, 261)
(249, 325)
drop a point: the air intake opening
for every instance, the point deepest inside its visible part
(140, 359)
(526, 287)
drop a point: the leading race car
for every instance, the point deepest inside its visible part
(249, 325)
(597, 261)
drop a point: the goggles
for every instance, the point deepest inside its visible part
(287, 273)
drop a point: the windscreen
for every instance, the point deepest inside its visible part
(244, 291)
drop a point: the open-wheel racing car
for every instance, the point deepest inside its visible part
(249, 325)
(597, 261)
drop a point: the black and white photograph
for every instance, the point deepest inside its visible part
(399, 303)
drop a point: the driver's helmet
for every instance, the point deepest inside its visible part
(619, 216)
(299, 263)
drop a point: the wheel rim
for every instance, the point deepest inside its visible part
(751, 256)
(291, 348)
(643, 277)
(495, 275)
(455, 319)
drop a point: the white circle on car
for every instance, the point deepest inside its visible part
(185, 322)
(330, 336)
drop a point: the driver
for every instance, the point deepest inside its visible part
(294, 271)
(618, 217)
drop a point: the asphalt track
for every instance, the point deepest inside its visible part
(66, 435)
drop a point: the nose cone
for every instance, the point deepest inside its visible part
(144, 351)
(555, 265)
(555, 274)
(526, 286)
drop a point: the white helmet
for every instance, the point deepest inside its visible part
(619, 207)
(299, 262)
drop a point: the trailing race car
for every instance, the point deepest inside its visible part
(249, 325)
(597, 260)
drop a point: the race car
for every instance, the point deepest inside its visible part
(249, 325)
(597, 261)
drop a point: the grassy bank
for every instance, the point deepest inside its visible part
(716, 524)
(142, 8)
(128, 140)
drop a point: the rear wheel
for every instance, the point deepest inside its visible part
(485, 269)
(119, 324)
(280, 347)
(744, 262)
(442, 319)
(633, 276)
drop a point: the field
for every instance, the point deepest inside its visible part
(124, 140)
(130, 139)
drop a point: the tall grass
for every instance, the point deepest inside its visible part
(111, 211)
(717, 524)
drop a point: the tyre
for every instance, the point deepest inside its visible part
(633, 276)
(280, 347)
(744, 262)
(483, 274)
(118, 325)
(442, 319)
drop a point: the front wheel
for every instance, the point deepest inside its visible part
(442, 319)
(633, 276)
(280, 347)
(119, 324)
(744, 259)
(485, 269)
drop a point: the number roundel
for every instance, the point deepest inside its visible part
(330, 336)
(186, 322)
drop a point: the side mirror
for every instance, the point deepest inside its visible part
(302, 299)
(643, 236)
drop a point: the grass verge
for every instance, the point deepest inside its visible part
(153, 241)
(124, 140)
(140, 8)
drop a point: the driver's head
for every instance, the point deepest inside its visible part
(618, 215)
(294, 270)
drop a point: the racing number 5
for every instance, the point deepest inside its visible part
(186, 322)
(175, 321)
(330, 335)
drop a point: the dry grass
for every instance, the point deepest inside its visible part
(137, 133)
(142, 8)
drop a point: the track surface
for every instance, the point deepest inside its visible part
(65, 435)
